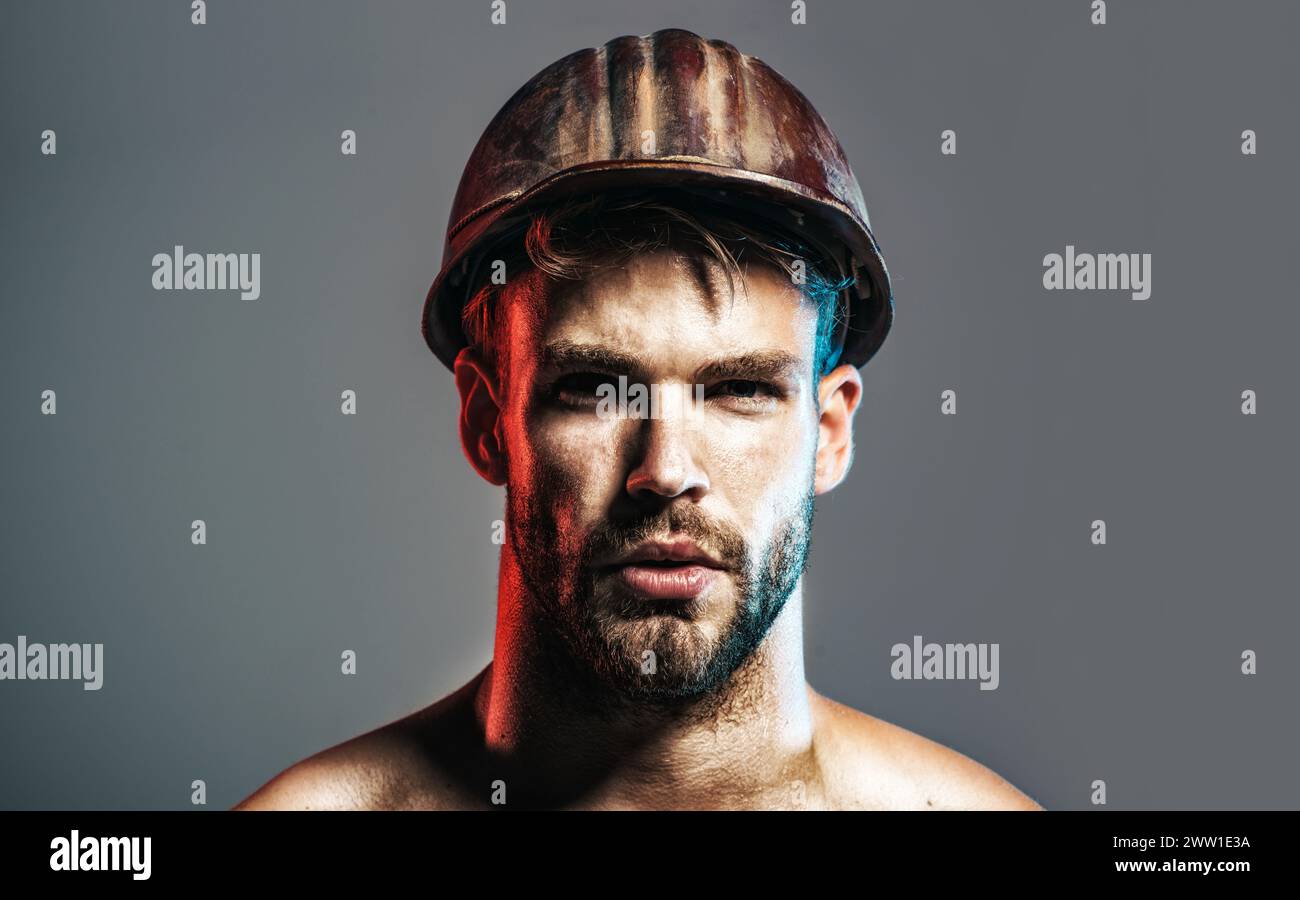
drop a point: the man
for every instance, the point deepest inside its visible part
(660, 217)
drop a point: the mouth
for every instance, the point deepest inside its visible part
(657, 581)
(676, 570)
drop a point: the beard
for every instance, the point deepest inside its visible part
(665, 653)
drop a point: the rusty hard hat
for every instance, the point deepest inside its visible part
(721, 124)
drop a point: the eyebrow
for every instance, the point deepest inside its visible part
(568, 355)
(757, 365)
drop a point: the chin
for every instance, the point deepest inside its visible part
(660, 654)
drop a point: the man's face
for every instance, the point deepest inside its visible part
(660, 550)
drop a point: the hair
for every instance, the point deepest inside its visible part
(569, 241)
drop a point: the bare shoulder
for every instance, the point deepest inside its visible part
(401, 765)
(876, 764)
(365, 772)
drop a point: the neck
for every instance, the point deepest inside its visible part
(558, 740)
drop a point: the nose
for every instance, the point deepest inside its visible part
(665, 464)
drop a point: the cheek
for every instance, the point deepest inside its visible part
(757, 456)
(761, 474)
(571, 460)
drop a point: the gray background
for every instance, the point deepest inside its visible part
(371, 532)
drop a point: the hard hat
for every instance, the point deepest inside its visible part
(667, 110)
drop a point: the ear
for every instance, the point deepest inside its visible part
(839, 394)
(480, 414)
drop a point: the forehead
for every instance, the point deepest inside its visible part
(671, 311)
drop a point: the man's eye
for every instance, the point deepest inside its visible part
(579, 388)
(744, 390)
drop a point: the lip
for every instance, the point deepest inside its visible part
(667, 570)
(677, 582)
(684, 552)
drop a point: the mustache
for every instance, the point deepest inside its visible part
(615, 538)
